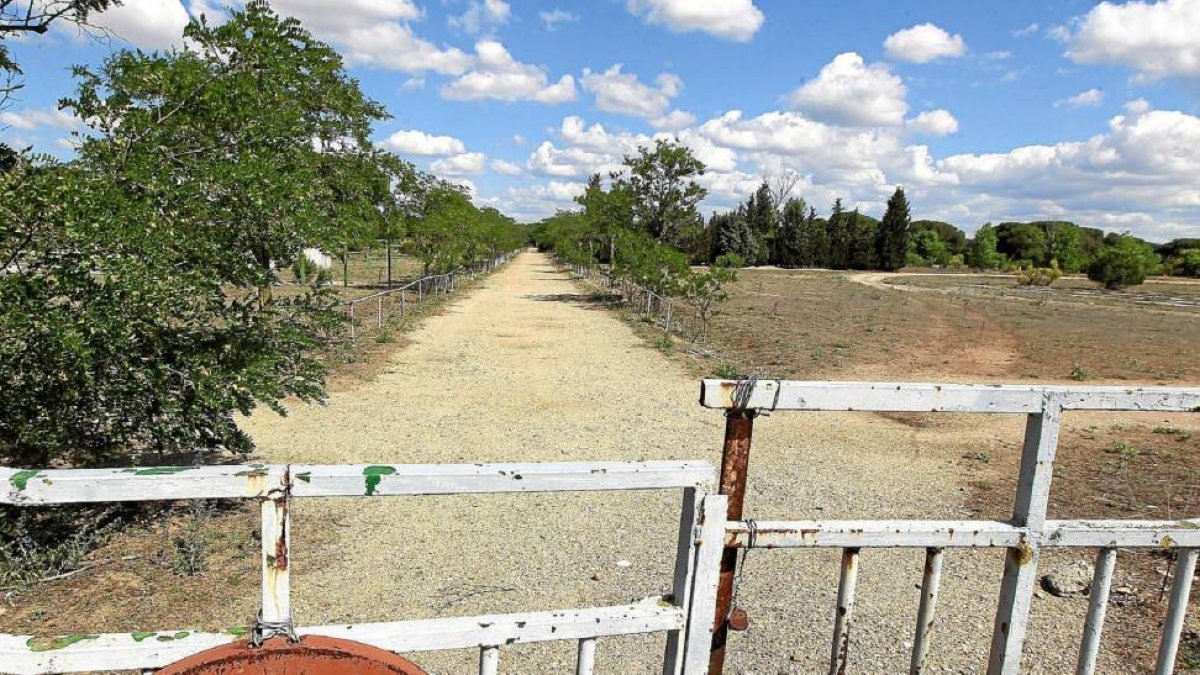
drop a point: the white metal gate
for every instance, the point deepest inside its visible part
(276, 486)
(1024, 536)
(687, 615)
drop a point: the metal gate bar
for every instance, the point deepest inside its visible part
(1023, 536)
(274, 486)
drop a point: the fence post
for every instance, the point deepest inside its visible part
(379, 312)
(353, 330)
(276, 552)
(1021, 561)
(735, 462)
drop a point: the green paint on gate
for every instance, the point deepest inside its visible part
(50, 644)
(21, 478)
(305, 476)
(374, 474)
(237, 631)
(158, 470)
(139, 635)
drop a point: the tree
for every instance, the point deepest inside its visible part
(140, 316)
(665, 193)
(891, 241)
(732, 235)
(1189, 262)
(23, 17)
(760, 215)
(1125, 262)
(814, 241)
(705, 290)
(839, 237)
(983, 254)
(926, 248)
(790, 250)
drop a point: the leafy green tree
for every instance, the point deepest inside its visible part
(983, 254)
(608, 212)
(790, 246)
(926, 248)
(1063, 245)
(1189, 262)
(1125, 262)
(951, 236)
(891, 242)
(814, 241)
(1023, 243)
(140, 316)
(732, 235)
(662, 181)
(705, 290)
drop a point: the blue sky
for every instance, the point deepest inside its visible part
(982, 111)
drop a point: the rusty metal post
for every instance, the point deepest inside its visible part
(735, 463)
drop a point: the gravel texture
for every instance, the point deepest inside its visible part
(524, 369)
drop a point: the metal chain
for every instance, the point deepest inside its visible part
(265, 630)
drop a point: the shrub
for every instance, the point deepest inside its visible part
(1039, 276)
(1125, 262)
(1188, 263)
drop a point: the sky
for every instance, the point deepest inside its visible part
(982, 111)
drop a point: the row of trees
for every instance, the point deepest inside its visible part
(138, 309)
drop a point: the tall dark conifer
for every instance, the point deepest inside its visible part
(839, 237)
(891, 237)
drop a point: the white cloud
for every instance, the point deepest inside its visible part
(413, 84)
(923, 43)
(1156, 40)
(624, 93)
(676, 119)
(849, 92)
(29, 119)
(413, 142)
(149, 24)
(933, 123)
(497, 75)
(506, 168)
(461, 164)
(1027, 30)
(1091, 97)
(736, 20)
(375, 33)
(481, 14)
(553, 18)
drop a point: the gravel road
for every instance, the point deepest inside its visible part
(524, 369)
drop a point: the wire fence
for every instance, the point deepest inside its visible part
(402, 299)
(671, 314)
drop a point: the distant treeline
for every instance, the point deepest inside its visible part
(653, 204)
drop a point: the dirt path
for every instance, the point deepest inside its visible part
(524, 369)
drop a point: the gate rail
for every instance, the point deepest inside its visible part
(276, 485)
(1024, 536)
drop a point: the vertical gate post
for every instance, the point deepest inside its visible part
(276, 554)
(1021, 561)
(735, 463)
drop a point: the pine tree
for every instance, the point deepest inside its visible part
(839, 237)
(789, 247)
(862, 241)
(891, 239)
(814, 241)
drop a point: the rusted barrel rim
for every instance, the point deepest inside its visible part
(312, 654)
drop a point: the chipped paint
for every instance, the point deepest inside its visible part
(21, 478)
(374, 474)
(158, 470)
(50, 644)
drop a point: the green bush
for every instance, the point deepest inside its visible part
(1125, 262)
(1039, 276)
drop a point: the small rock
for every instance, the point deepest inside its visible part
(1070, 579)
(596, 576)
(623, 563)
(797, 656)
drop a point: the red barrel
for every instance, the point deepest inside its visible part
(312, 654)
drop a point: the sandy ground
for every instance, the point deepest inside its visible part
(524, 369)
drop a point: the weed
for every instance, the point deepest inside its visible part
(385, 336)
(1079, 374)
(191, 546)
(726, 371)
(665, 344)
(1179, 434)
(50, 542)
